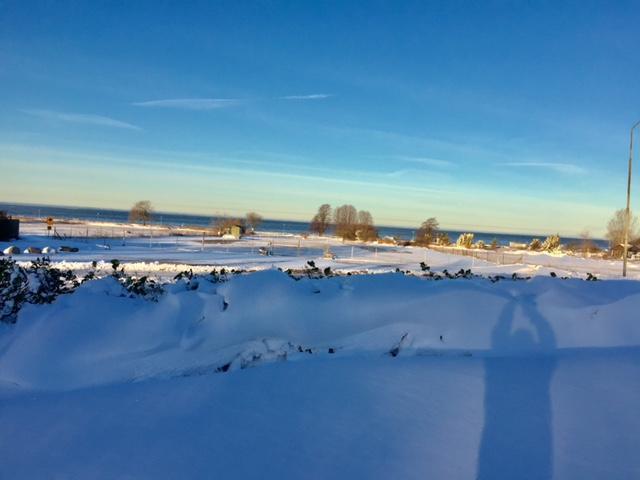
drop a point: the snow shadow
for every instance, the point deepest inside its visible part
(517, 439)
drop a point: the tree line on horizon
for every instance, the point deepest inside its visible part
(143, 212)
(349, 223)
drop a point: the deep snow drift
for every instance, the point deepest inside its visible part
(372, 376)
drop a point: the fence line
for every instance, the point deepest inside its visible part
(506, 258)
(493, 256)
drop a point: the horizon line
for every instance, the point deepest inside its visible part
(272, 219)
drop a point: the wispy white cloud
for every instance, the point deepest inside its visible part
(86, 119)
(191, 103)
(431, 162)
(565, 168)
(214, 165)
(313, 96)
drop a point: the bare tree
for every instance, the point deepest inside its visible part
(346, 220)
(587, 244)
(141, 211)
(365, 218)
(428, 231)
(615, 231)
(321, 220)
(253, 220)
(366, 230)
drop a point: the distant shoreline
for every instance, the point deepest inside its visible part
(192, 221)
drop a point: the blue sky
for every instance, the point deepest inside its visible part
(500, 116)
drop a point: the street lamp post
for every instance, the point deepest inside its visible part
(627, 217)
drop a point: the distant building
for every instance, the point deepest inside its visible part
(235, 231)
(9, 227)
(634, 252)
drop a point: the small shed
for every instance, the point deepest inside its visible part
(9, 227)
(236, 230)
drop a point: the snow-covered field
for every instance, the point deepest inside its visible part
(362, 376)
(164, 252)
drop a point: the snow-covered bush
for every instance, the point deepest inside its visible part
(187, 280)
(443, 239)
(465, 240)
(535, 244)
(38, 283)
(144, 286)
(480, 244)
(41, 282)
(552, 242)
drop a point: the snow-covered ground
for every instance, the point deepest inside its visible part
(365, 376)
(164, 252)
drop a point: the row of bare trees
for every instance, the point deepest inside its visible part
(143, 212)
(429, 233)
(251, 222)
(349, 223)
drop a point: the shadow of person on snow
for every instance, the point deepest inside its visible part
(517, 439)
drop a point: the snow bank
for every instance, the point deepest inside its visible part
(98, 336)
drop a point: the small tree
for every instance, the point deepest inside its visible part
(587, 245)
(428, 231)
(366, 231)
(586, 242)
(615, 231)
(551, 243)
(253, 220)
(141, 211)
(443, 239)
(465, 240)
(346, 220)
(322, 220)
(535, 244)
(494, 244)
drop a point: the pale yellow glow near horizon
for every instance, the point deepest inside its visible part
(217, 190)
